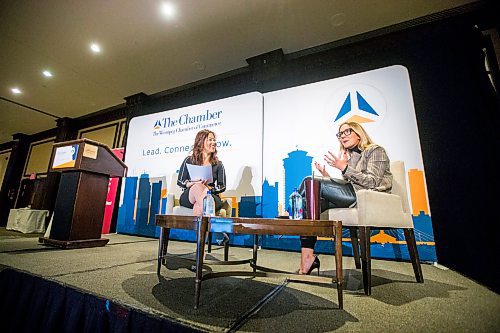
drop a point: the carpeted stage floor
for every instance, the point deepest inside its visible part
(122, 275)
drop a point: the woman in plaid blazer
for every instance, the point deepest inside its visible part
(364, 165)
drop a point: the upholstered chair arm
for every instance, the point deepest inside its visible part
(381, 209)
(170, 204)
(228, 207)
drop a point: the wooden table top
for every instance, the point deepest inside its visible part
(252, 225)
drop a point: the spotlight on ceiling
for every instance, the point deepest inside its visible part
(47, 73)
(167, 9)
(16, 91)
(95, 48)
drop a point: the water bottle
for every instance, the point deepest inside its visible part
(295, 202)
(209, 205)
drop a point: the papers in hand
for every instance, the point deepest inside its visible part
(200, 172)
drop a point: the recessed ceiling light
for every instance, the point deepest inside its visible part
(47, 73)
(167, 9)
(95, 48)
(16, 91)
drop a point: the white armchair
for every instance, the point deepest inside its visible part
(174, 208)
(379, 210)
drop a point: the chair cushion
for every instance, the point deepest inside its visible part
(180, 210)
(173, 207)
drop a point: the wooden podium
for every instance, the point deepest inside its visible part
(85, 167)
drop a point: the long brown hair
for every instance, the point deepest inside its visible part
(197, 152)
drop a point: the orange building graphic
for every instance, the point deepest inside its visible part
(417, 192)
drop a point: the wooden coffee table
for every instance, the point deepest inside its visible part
(256, 227)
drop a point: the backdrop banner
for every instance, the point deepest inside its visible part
(268, 144)
(158, 143)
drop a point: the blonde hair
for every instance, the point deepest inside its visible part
(364, 139)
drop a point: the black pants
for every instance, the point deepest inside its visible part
(333, 193)
(184, 200)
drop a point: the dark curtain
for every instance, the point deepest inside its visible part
(31, 304)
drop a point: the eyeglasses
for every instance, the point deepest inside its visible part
(345, 132)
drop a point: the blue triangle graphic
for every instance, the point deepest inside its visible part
(363, 104)
(346, 107)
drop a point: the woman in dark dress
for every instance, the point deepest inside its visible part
(194, 191)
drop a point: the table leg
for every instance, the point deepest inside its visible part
(162, 247)
(255, 248)
(209, 238)
(226, 247)
(166, 238)
(200, 250)
(338, 265)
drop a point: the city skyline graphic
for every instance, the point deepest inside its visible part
(145, 196)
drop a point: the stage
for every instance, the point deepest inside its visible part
(119, 283)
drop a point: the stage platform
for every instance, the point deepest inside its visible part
(119, 283)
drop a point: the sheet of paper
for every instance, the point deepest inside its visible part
(90, 151)
(65, 157)
(200, 172)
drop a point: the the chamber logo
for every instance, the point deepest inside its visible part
(157, 125)
(187, 122)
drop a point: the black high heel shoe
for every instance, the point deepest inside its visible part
(314, 265)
